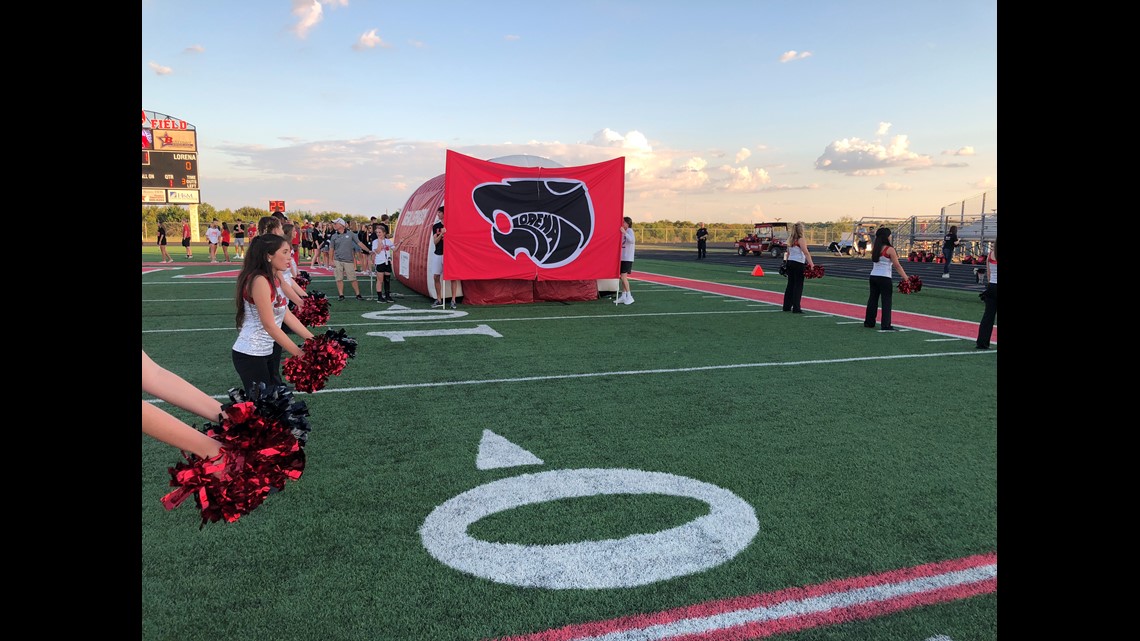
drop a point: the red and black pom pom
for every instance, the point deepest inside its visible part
(815, 271)
(303, 279)
(910, 285)
(322, 357)
(314, 310)
(262, 439)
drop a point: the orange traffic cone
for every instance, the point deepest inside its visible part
(757, 271)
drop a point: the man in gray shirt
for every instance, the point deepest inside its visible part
(344, 245)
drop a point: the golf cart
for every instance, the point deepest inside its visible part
(766, 238)
(864, 231)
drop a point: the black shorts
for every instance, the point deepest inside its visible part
(185, 242)
(384, 267)
(626, 267)
(225, 243)
(307, 244)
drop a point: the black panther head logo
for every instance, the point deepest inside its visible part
(551, 221)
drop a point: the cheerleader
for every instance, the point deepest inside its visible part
(883, 257)
(262, 308)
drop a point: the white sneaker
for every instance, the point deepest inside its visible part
(619, 298)
(946, 275)
(628, 299)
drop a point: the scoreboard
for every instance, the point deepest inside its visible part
(169, 160)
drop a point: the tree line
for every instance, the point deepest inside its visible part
(663, 230)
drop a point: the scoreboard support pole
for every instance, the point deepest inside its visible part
(195, 236)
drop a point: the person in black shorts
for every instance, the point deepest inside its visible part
(186, 238)
(162, 244)
(239, 240)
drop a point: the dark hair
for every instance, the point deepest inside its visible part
(882, 239)
(266, 223)
(256, 263)
(628, 221)
(953, 229)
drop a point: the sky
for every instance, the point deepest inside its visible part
(728, 111)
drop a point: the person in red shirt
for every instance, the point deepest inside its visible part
(226, 241)
(186, 238)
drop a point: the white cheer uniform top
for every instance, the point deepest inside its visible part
(796, 254)
(252, 338)
(991, 270)
(883, 268)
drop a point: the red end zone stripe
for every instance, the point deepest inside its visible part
(831, 616)
(946, 326)
(841, 615)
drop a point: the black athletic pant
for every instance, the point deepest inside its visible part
(258, 369)
(881, 287)
(795, 288)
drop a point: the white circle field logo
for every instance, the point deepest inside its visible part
(639, 559)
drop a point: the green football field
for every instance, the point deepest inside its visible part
(694, 465)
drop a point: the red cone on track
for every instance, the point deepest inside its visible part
(756, 271)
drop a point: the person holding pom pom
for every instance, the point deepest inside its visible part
(262, 309)
(160, 424)
(883, 257)
(798, 254)
(986, 327)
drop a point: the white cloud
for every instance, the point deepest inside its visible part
(744, 179)
(160, 70)
(858, 157)
(633, 140)
(512, 37)
(789, 56)
(743, 155)
(986, 183)
(369, 40)
(884, 127)
(194, 49)
(309, 13)
(964, 151)
(891, 187)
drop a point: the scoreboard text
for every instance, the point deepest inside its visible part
(169, 160)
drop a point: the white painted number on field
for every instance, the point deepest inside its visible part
(399, 336)
(639, 559)
(401, 313)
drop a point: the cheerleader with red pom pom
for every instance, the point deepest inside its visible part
(262, 438)
(798, 254)
(262, 309)
(883, 258)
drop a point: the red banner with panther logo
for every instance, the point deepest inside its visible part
(532, 223)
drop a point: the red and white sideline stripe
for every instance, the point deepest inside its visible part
(784, 611)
